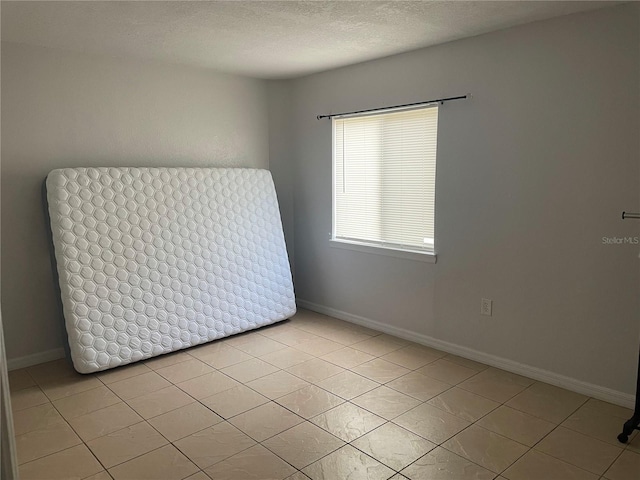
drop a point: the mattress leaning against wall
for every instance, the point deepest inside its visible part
(153, 260)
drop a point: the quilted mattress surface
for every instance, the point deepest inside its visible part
(153, 260)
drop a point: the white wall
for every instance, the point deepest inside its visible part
(64, 109)
(532, 173)
(280, 156)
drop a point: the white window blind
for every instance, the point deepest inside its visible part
(384, 178)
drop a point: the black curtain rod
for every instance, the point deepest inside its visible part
(437, 100)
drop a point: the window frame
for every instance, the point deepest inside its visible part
(393, 250)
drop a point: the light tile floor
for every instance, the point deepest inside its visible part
(312, 397)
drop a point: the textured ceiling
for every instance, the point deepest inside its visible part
(265, 39)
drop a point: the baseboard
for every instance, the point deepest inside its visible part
(35, 359)
(575, 385)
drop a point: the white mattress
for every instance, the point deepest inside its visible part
(153, 260)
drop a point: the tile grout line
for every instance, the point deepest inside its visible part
(141, 455)
(344, 400)
(387, 421)
(76, 434)
(441, 444)
(502, 404)
(137, 423)
(303, 420)
(198, 401)
(380, 461)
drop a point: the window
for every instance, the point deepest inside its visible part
(384, 172)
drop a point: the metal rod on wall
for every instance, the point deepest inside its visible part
(437, 100)
(626, 215)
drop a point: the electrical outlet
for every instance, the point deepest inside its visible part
(486, 306)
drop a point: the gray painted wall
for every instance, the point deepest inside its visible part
(280, 156)
(64, 109)
(532, 173)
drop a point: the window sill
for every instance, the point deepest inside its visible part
(427, 257)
